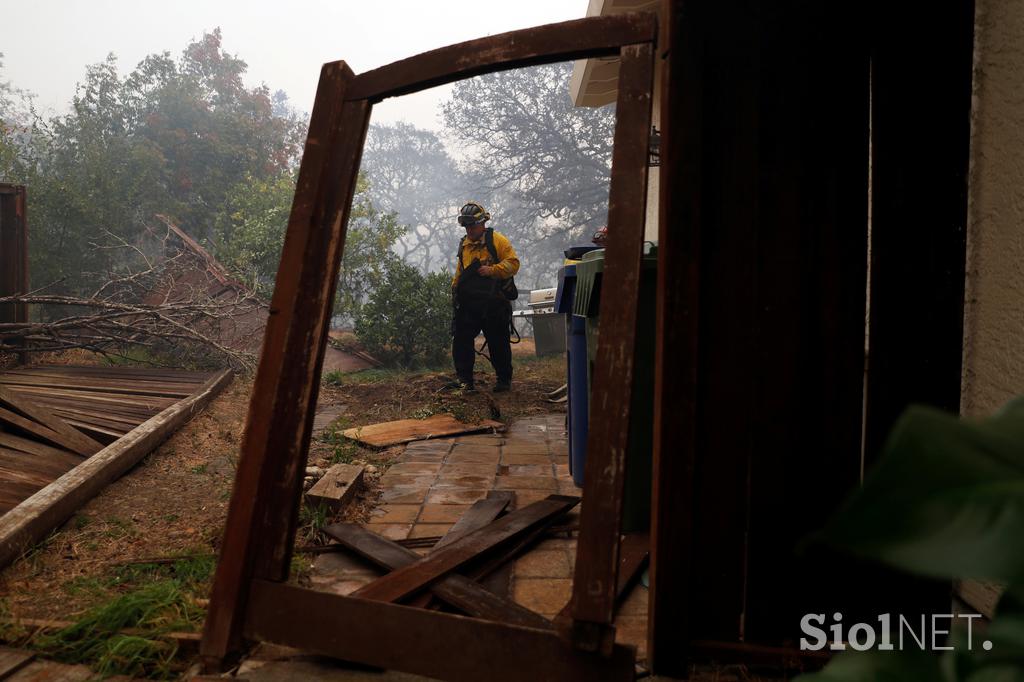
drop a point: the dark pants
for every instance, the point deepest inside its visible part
(492, 317)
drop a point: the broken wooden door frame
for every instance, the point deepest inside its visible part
(13, 253)
(250, 598)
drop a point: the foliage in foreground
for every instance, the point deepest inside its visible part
(946, 500)
(126, 633)
(406, 321)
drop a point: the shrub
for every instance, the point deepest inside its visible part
(407, 318)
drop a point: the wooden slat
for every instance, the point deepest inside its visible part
(438, 645)
(407, 580)
(12, 660)
(263, 512)
(36, 430)
(70, 437)
(407, 430)
(590, 37)
(477, 516)
(608, 436)
(456, 590)
(31, 520)
(12, 442)
(26, 463)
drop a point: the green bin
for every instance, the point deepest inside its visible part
(637, 505)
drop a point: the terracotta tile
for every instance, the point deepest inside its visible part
(404, 494)
(391, 531)
(525, 449)
(456, 495)
(390, 480)
(463, 482)
(546, 596)
(526, 483)
(395, 513)
(537, 564)
(442, 513)
(468, 469)
(632, 630)
(474, 449)
(343, 565)
(567, 487)
(553, 544)
(517, 460)
(528, 469)
(635, 603)
(431, 444)
(490, 457)
(429, 530)
(414, 468)
(416, 456)
(480, 439)
(526, 497)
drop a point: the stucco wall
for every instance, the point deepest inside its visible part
(994, 317)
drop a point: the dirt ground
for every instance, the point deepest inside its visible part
(174, 503)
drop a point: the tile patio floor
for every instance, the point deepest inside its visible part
(435, 481)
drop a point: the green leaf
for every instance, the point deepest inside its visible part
(946, 498)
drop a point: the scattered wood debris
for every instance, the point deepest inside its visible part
(408, 430)
(337, 487)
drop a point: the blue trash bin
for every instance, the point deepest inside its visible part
(578, 407)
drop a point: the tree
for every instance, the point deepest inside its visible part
(173, 137)
(406, 320)
(412, 174)
(249, 234)
(543, 164)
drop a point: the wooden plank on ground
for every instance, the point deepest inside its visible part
(35, 517)
(51, 671)
(409, 579)
(13, 660)
(457, 590)
(337, 487)
(69, 436)
(479, 515)
(408, 430)
(438, 645)
(12, 442)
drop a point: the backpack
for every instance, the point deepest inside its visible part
(507, 287)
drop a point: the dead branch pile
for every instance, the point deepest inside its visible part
(179, 307)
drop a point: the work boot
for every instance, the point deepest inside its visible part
(502, 386)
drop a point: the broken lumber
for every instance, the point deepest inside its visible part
(31, 520)
(336, 488)
(409, 579)
(407, 430)
(454, 589)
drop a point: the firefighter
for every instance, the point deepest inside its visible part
(482, 289)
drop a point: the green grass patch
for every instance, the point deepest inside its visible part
(136, 607)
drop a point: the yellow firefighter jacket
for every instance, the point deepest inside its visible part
(508, 262)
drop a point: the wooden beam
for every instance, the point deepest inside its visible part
(454, 589)
(31, 520)
(608, 438)
(590, 37)
(438, 645)
(263, 512)
(409, 579)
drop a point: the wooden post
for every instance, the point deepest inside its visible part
(263, 513)
(608, 438)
